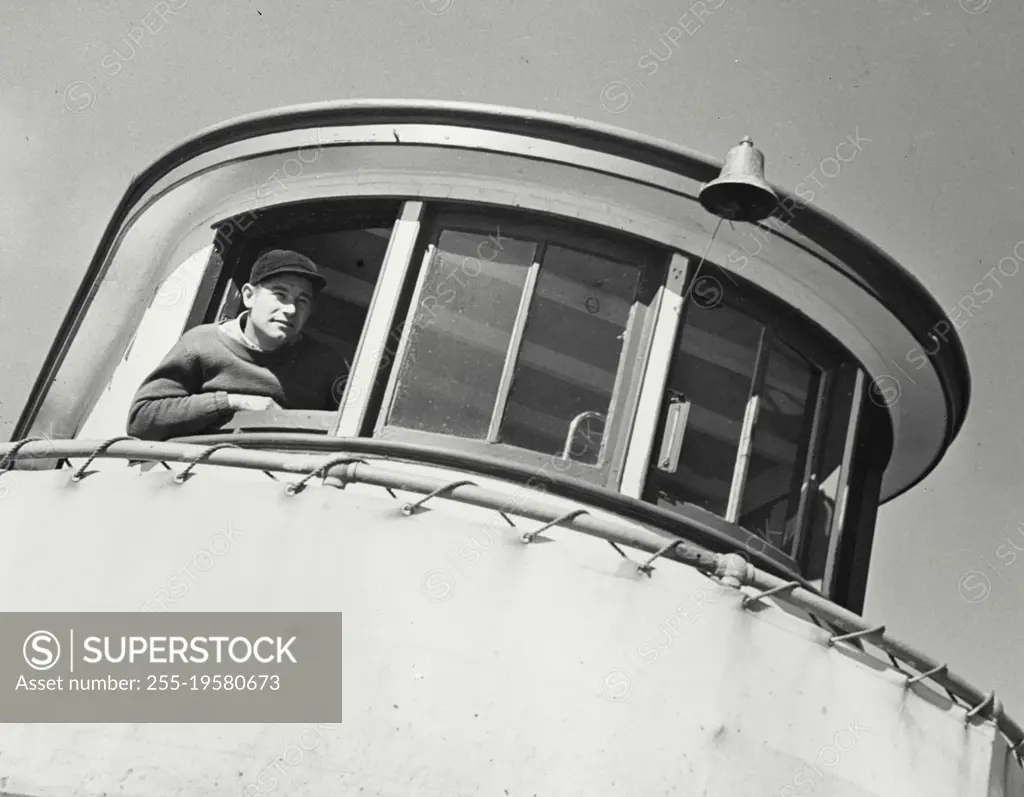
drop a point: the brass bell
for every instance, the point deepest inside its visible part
(739, 193)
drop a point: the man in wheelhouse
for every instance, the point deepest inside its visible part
(260, 360)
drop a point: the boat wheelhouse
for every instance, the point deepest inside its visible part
(541, 336)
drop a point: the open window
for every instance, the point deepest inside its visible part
(348, 241)
(523, 337)
(349, 244)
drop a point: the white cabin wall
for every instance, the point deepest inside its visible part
(550, 668)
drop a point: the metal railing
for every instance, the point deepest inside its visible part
(730, 569)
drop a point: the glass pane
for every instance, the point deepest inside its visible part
(459, 338)
(570, 352)
(778, 455)
(825, 498)
(712, 369)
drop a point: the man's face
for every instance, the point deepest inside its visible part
(278, 308)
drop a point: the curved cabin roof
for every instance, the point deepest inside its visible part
(866, 301)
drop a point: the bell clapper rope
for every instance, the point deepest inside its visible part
(696, 271)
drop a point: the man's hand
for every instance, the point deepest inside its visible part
(243, 401)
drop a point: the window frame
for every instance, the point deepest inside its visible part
(651, 262)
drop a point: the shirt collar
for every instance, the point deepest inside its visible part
(235, 329)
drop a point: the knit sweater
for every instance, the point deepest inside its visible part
(187, 393)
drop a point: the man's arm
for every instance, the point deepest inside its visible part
(169, 403)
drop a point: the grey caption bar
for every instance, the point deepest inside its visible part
(170, 667)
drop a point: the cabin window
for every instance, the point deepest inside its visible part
(348, 243)
(459, 338)
(709, 388)
(522, 337)
(754, 422)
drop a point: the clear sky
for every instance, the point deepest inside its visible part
(936, 87)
